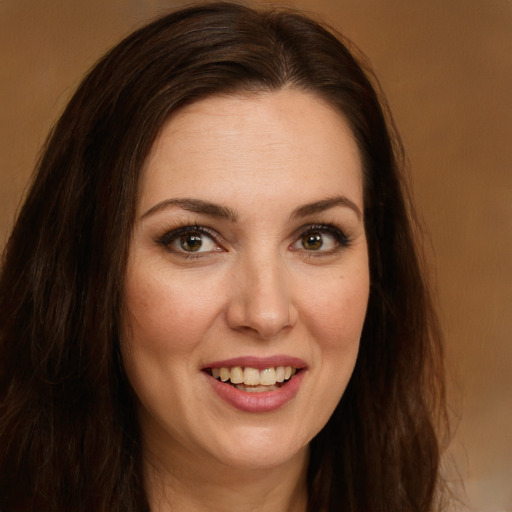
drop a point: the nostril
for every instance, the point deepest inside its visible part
(260, 304)
(261, 324)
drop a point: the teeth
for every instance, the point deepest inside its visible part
(224, 374)
(268, 377)
(237, 375)
(252, 377)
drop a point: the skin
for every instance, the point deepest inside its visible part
(256, 287)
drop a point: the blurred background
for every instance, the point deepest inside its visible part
(446, 70)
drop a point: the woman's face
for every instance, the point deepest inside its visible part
(247, 281)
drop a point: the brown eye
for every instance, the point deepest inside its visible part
(188, 240)
(191, 242)
(321, 239)
(312, 241)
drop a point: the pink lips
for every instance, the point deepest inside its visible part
(266, 401)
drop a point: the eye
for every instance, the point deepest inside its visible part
(189, 240)
(322, 239)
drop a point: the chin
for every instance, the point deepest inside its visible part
(247, 445)
(261, 451)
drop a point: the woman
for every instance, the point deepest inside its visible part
(211, 298)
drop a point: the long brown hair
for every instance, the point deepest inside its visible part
(68, 431)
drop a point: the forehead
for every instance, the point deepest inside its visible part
(275, 142)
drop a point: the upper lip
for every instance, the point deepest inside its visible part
(259, 363)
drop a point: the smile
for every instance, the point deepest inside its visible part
(252, 380)
(255, 384)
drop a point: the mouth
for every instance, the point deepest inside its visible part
(257, 384)
(252, 380)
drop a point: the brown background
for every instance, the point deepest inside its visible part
(446, 68)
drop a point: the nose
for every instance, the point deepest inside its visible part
(260, 299)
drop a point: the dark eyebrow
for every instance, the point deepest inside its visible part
(326, 204)
(196, 206)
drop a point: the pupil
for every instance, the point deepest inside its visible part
(191, 242)
(312, 241)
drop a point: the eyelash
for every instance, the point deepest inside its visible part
(173, 234)
(342, 240)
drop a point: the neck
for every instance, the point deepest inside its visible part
(197, 486)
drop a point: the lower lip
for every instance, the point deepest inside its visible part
(266, 401)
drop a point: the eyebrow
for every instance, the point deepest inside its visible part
(196, 206)
(223, 212)
(326, 204)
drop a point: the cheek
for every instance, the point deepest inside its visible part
(165, 313)
(334, 320)
(336, 312)
(165, 318)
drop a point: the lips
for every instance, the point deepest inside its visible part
(255, 384)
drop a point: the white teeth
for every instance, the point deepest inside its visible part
(259, 380)
(237, 375)
(268, 377)
(251, 377)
